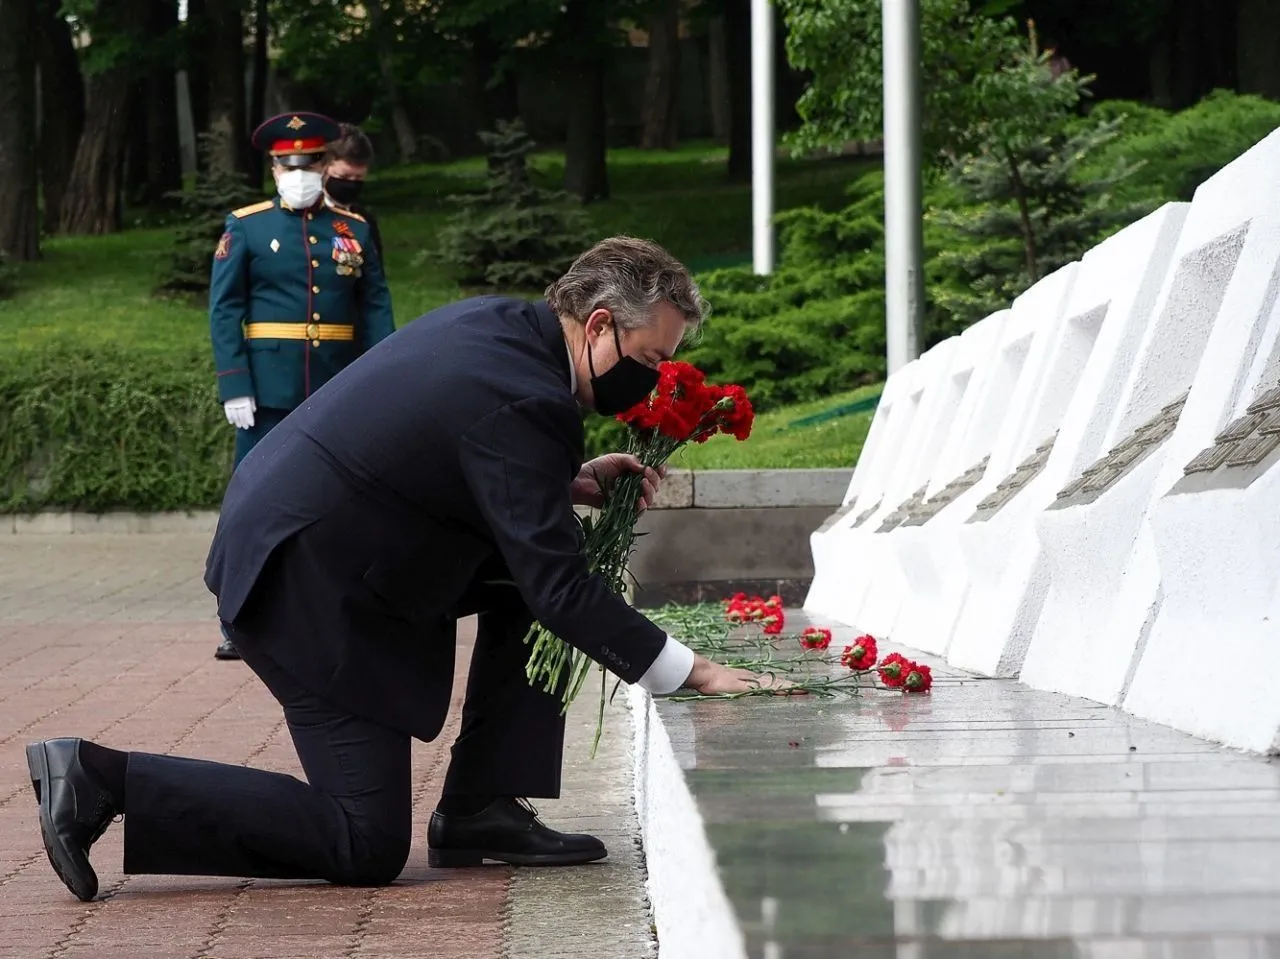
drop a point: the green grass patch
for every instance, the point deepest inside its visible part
(780, 441)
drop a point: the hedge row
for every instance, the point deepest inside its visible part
(103, 429)
(106, 429)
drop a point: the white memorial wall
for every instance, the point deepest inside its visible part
(1079, 491)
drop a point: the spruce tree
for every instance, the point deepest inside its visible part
(1022, 206)
(216, 192)
(512, 234)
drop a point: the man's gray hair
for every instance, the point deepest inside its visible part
(628, 277)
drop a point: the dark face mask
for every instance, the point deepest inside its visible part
(343, 191)
(623, 385)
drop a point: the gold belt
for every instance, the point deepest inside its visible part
(300, 331)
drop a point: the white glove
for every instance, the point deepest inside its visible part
(240, 411)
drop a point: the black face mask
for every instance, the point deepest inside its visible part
(343, 191)
(623, 385)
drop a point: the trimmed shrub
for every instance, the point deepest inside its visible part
(97, 431)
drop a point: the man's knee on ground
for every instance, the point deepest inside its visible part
(376, 860)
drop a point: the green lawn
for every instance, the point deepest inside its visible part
(90, 289)
(778, 441)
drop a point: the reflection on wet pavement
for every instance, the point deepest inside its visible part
(982, 820)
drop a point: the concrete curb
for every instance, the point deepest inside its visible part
(693, 916)
(684, 489)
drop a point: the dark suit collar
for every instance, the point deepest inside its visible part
(552, 334)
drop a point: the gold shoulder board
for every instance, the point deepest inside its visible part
(352, 214)
(252, 208)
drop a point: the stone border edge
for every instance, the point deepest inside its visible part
(691, 912)
(684, 489)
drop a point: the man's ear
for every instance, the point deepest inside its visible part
(598, 322)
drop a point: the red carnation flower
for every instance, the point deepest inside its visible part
(815, 638)
(737, 417)
(918, 679)
(860, 655)
(774, 621)
(893, 670)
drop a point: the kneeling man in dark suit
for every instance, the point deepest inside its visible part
(433, 478)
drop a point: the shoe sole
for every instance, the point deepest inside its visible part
(219, 654)
(468, 858)
(38, 767)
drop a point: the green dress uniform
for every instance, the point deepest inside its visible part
(295, 296)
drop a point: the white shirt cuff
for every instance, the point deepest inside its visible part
(670, 669)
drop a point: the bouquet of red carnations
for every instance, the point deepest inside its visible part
(683, 409)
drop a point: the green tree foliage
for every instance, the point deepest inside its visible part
(1179, 151)
(513, 234)
(1024, 208)
(816, 325)
(204, 210)
(840, 43)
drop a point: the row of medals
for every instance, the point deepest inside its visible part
(349, 264)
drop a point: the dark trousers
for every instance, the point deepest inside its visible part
(350, 822)
(265, 419)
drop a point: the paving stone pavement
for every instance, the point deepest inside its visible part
(111, 637)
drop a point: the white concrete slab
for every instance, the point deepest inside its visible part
(1206, 662)
(930, 555)
(1109, 308)
(1105, 576)
(839, 560)
(886, 439)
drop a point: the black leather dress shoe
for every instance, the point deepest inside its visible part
(226, 649)
(507, 831)
(74, 812)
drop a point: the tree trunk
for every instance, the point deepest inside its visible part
(62, 85)
(498, 95)
(19, 221)
(586, 167)
(136, 146)
(258, 92)
(226, 83)
(261, 64)
(164, 156)
(406, 137)
(1024, 217)
(718, 79)
(582, 47)
(92, 201)
(737, 36)
(662, 86)
(1257, 64)
(196, 36)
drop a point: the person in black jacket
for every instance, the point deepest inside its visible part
(347, 163)
(434, 478)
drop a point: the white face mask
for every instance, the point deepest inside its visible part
(299, 188)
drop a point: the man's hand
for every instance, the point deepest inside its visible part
(240, 411)
(597, 475)
(712, 679)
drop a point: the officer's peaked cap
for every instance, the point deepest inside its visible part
(296, 139)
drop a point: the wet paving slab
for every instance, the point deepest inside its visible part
(983, 819)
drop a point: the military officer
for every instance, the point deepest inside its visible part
(297, 290)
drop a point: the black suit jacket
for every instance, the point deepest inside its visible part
(349, 535)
